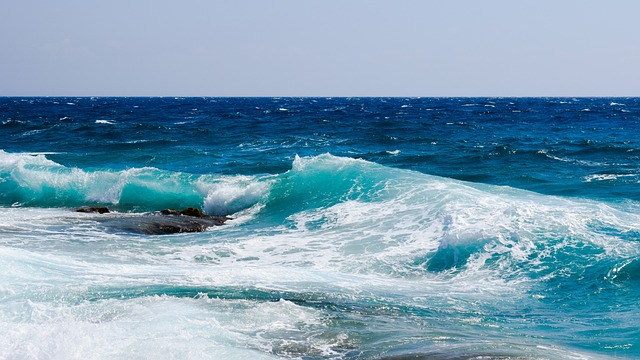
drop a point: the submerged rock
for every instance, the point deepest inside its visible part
(170, 212)
(195, 212)
(93, 209)
(160, 224)
(168, 221)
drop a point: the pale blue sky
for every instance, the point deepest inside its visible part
(320, 48)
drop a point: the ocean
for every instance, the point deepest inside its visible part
(358, 228)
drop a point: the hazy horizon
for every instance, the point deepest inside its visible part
(286, 48)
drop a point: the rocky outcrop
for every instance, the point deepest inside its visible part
(168, 221)
(160, 224)
(195, 212)
(93, 209)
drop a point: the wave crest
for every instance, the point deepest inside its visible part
(34, 180)
(234, 194)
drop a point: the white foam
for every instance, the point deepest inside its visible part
(102, 121)
(326, 161)
(154, 327)
(233, 194)
(9, 161)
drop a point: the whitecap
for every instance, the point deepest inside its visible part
(605, 177)
(233, 194)
(31, 132)
(600, 177)
(108, 122)
(570, 160)
(19, 160)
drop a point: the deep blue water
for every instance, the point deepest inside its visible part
(362, 227)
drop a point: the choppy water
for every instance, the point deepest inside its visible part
(362, 228)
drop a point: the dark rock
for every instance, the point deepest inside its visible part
(168, 221)
(195, 212)
(93, 209)
(160, 224)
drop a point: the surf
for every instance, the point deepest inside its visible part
(330, 234)
(327, 192)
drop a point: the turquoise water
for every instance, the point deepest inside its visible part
(362, 228)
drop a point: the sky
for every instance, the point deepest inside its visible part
(320, 48)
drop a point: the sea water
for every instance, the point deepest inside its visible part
(362, 228)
